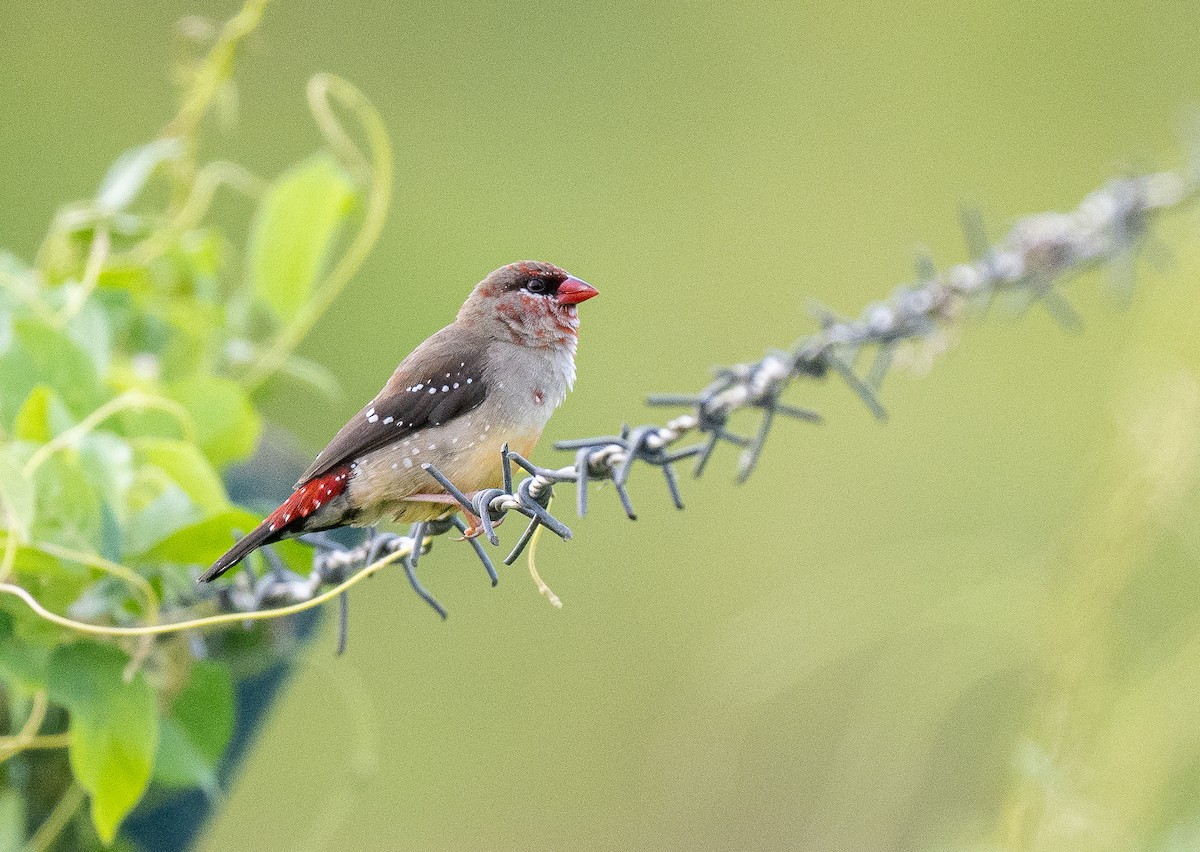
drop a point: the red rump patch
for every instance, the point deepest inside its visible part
(308, 498)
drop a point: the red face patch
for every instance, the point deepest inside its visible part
(538, 320)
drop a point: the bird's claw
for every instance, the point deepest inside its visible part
(475, 526)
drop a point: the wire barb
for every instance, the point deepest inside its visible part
(410, 569)
(343, 637)
(1038, 255)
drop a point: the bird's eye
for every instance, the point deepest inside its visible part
(536, 285)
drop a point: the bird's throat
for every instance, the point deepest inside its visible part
(540, 323)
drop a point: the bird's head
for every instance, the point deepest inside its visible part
(530, 302)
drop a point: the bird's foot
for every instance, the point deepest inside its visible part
(475, 526)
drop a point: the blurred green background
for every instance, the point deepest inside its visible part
(972, 627)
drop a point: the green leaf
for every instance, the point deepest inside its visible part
(168, 511)
(198, 730)
(204, 708)
(42, 416)
(22, 664)
(108, 464)
(316, 376)
(17, 503)
(294, 228)
(12, 266)
(203, 542)
(90, 330)
(132, 169)
(12, 819)
(227, 426)
(33, 418)
(185, 464)
(60, 257)
(68, 505)
(137, 280)
(114, 728)
(40, 355)
(55, 583)
(296, 555)
(178, 765)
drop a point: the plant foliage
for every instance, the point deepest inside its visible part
(130, 349)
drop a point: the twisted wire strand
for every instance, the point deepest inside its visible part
(1036, 257)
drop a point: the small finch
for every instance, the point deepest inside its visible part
(492, 377)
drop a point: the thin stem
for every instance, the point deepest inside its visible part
(9, 559)
(215, 70)
(208, 621)
(97, 254)
(130, 400)
(542, 588)
(122, 573)
(21, 740)
(376, 171)
(63, 811)
(209, 178)
(47, 741)
(18, 286)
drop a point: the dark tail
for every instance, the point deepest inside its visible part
(262, 534)
(301, 512)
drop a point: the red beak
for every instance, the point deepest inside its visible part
(573, 291)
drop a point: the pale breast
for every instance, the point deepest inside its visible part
(526, 384)
(467, 450)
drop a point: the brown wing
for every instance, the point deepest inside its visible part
(435, 384)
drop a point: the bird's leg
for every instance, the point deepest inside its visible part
(474, 525)
(473, 528)
(432, 498)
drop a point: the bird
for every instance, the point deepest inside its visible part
(492, 377)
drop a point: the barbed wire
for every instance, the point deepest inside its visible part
(1036, 257)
